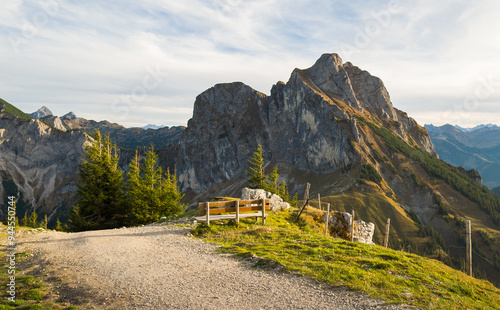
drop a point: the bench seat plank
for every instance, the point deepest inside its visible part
(233, 209)
(214, 204)
(228, 216)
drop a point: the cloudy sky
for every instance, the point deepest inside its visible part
(140, 62)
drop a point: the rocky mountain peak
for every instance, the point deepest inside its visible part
(226, 98)
(355, 87)
(309, 123)
(69, 115)
(41, 113)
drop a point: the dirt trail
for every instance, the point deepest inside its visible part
(159, 267)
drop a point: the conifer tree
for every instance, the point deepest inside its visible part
(32, 220)
(59, 226)
(256, 176)
(44, 222)
(100, 197)
(272, 182)
(151, 193)
(24, 220)
(171, 194)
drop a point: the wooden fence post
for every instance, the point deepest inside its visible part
(237, 207)
(319, 202)
(306, 200)
(352, 226)
(207, 208)
(468, 258)
(327, 219)
(387, 226)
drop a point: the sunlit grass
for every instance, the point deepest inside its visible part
(395, 276)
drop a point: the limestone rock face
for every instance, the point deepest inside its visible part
(54, 121)
(308, 123)
(276, 203)
(39, 165)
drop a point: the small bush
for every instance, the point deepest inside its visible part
(369, 173)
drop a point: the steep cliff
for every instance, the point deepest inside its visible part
(40, 164)
(310, 122)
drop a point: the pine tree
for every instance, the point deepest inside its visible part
(32, 220)
(100, 197)
(151, 193)
(135, 193)
(59, 226)
(283, 191)
(256, 176)
(272, 182)
(44, 222)
(171, 194)
(152, 175)
(24, 220)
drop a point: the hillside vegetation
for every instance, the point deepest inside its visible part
(477, 148)
(9, 108)
(446, 196)
(461, 180)
(395, 276)
(496, 190)
(373, 204)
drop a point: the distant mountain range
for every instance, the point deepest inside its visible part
(473, 129)
(473, 148)
(127, 138)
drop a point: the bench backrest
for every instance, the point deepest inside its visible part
(218, 207)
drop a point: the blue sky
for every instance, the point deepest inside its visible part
(141, 62)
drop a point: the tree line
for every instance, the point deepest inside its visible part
(108, 200)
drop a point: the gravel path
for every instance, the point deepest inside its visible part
(159, 267)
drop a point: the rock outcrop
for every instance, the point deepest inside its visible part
(340, 227)
(54, 121)
(276, 203)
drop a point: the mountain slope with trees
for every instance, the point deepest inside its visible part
(477, 148)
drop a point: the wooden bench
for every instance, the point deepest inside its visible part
(236, 206)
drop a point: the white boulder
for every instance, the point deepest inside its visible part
(276, 203)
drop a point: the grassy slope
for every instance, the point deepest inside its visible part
(9, 108)
(395, 276)
(464, 198)
(372, 205)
